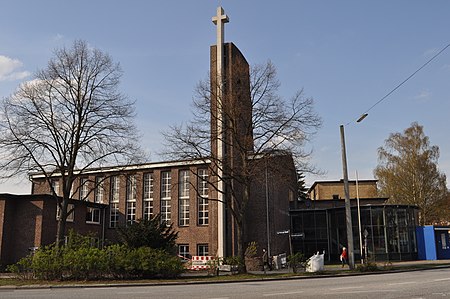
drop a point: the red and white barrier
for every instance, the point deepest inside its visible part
(200, 262)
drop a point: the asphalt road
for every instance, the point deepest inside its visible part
(417, 284)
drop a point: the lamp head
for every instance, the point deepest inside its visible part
(362, 117)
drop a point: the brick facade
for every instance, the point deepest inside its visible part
(280, 183)
(28, 221)
(324, 190)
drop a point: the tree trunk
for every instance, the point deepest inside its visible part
(240, 243)
(62, 219)
(241, 226)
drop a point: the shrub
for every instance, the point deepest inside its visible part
(146, 262)
(84, 263)
(367, 267)
(214, 264)
(152, 233)
(22, 269)
(251, 250)
(235, 262)
(169, 266)
(118, 260)
(80, 261)
(296, 261)
(47, 263)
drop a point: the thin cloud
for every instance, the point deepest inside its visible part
(9, 69)
(423, 96)
(58, 37)
(430, 52)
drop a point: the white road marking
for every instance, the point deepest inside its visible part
(442, 279)
(282, 294)
(346, 288)
(361, 292)
(401, 283)
(133, 292)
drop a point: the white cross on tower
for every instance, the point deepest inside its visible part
(219, 20)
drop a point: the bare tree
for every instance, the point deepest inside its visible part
(71, 117)
(268, 126)
(408, 172)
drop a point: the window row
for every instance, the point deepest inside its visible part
(92, 214)
(184, 251)
(184, 186)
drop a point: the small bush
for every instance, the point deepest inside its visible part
(47, 263)
(251, 250)
(22, 269)
(367, 267)
(214, 264)
(236, 263)
(84, 263)
(296, 261)
(388, 265)
(233, 261)
(142, 262)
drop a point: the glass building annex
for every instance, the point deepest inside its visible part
(387, 232)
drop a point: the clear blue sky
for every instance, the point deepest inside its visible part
(345, 54)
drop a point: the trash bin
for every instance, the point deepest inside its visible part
(276, 262)
(283, 260)
(315, 263)
(279, 261)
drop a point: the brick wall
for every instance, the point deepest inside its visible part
(280, 181)
(328, 190)
(30, 221)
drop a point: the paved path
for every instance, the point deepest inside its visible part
(338, 267)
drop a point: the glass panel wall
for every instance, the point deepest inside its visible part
(388, 232)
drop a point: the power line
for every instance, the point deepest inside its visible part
(363, 115)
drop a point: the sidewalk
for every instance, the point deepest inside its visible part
(381, 264)
(395, 265)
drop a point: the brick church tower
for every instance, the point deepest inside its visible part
(231, 127)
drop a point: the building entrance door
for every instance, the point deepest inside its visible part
(442, 244)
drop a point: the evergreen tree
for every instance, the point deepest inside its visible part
(152, 233)
(302, 190)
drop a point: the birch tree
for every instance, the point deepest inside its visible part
(408, 172)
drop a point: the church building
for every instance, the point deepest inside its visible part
(197, 195)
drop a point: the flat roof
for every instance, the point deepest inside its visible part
(120, 168)
(341, 181)
(34, 197)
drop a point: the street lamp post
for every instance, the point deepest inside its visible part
(359, 221)
(267, 212)
(348, 212)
